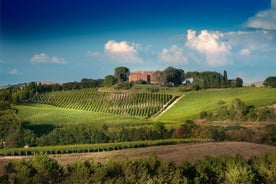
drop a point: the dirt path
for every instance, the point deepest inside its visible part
(172, 104)
(178, 153)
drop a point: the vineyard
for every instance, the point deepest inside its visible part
(127, 103)
(86, 148)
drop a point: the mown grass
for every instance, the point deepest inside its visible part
(190, 106)
(41, 114)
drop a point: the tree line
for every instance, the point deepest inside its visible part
(17, 94)
(222, 169)
(20, 93)
(174, 77)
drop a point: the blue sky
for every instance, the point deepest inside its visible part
(68, 40)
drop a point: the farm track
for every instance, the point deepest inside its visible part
(165, 110)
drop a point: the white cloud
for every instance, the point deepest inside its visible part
(254, 40)
(57, 60)
(264, 19)
(173, 55)
(123, 52)
(40, 58)
(212, 45)
(13, 72)
(44, 58)
(245, 52)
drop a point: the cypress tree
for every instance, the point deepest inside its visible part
(225, 79)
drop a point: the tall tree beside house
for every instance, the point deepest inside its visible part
(236, 83)
(225, 79)
(239, 82)
(173, 75)
(169, 76)
(121, 73)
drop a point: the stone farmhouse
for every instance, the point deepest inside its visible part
(142, 75)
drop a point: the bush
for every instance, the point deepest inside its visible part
(151, 169)
(203, 114)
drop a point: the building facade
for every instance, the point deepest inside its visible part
(146, 76)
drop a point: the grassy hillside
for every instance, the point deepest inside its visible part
(190, 106)
(38, 114)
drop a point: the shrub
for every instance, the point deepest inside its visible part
(203, 114)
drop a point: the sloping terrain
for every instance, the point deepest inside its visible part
(190, 106)
(126, 103)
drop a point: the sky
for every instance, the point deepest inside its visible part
(68, 40)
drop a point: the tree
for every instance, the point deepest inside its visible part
(225, 79)
(121, 73)
(11, 131)
(270, 82)
(173, 75)
(78, 172)
(208, 79)
(40, 169)
(89, 83)
(239, 82)
(109, 80)
(169, 76)
(47, 170)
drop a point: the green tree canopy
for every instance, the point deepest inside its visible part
(121, 73)
(169, 76)
(207, 79)
(239, 82)
(174, 75)
(109, 80)
(270, 82)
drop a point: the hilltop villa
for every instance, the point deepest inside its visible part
(142, 75)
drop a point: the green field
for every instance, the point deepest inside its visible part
(190, 106)
(39, 114)
(42, 118)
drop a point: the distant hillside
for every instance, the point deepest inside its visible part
(257, 84)
(46, 82)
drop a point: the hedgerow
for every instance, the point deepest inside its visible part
(83, 148)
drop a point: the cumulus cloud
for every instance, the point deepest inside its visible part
(245, 52)
(13, 72)
(43, 58)
(40, 58)
(57, 60)
(123, 52)
(254, 40)
(264, 19)
(173, 55)
(210, 44)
